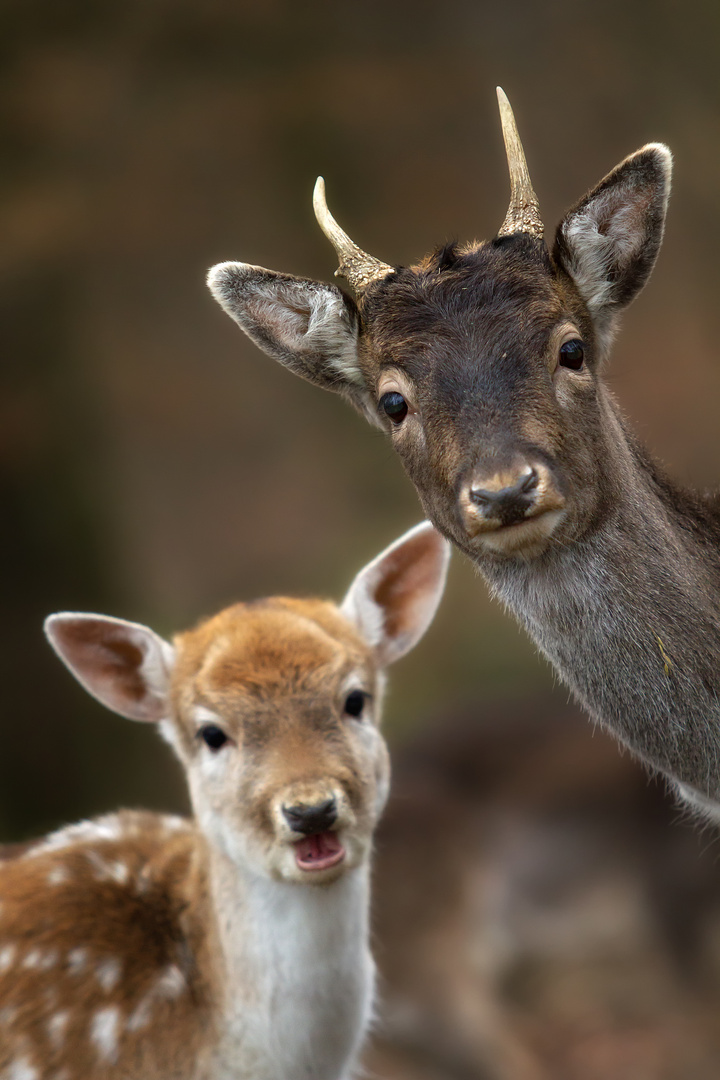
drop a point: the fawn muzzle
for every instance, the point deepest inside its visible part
(310, 819)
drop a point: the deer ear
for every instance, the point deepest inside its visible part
(309, 326)
(124, 665)
(393, 599)
(608, 243)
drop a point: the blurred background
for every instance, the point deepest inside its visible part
(542, 910)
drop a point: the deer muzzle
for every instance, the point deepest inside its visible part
(511, 509)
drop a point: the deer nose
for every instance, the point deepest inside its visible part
(509, 501)
(311, 819)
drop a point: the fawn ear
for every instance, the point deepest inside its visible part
(609, 241)
(308, 326)
(393, 599)
(124, 665)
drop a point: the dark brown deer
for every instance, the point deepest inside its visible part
(484, 363)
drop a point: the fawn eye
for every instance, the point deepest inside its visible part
(213, 736)
(395, 406)
(572, 354)
(355, 702)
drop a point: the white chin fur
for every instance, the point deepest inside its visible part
(525, 539)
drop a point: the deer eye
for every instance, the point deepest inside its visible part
(572, 354)
(355, 702)
(214, 736)
(395, 406)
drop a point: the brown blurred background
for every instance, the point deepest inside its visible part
(154, 465)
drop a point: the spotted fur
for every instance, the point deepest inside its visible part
(143, 946)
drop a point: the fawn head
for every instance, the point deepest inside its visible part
(482, 362)
(273, 707)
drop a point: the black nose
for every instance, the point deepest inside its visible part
(509, 504)
(311, 819)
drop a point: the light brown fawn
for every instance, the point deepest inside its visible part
(233, 946)
(484, 363)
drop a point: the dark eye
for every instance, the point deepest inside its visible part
(213, 736)
(395, 406)
(572, 354)
(355, 702)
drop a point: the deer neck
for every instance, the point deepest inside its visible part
(297, 973)
(630, 615)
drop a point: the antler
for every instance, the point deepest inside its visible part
(523, 214)
(356, 266)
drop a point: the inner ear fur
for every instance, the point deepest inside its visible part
(609, 241)
(308, 326)
(124, 665)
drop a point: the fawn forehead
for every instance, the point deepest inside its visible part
(464, 316)
(268, 650)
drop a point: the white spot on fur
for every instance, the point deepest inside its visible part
(107, 973)
(57, 1026)
(104, 1033)
(140, 1016)
(173, 823)
(7, 956)
(77, 960)
(49, 960)
(142, 882)
(104, 828)
(58, 876)
(107, 869)
(21, 1069)
(171, 982)
(33, 959)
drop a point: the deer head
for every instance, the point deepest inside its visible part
(484, 361)
(273, 707)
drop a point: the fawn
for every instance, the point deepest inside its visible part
(233, 946)
(485, 363)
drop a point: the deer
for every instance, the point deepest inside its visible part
(232, 945)
(484, 363)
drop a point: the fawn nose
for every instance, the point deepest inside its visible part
(504, 498)
(311, 819)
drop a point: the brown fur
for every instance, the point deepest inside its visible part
(254, 664)
(152, 927)
(112, 932)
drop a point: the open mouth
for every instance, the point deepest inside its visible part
(319, 852)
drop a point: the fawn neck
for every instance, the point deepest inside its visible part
(298, 976)
(629, 615)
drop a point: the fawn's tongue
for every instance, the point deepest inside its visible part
(319, 852)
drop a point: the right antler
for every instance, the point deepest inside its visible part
(523, 214)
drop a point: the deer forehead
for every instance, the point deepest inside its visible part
(497, 296)
(268, 651)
